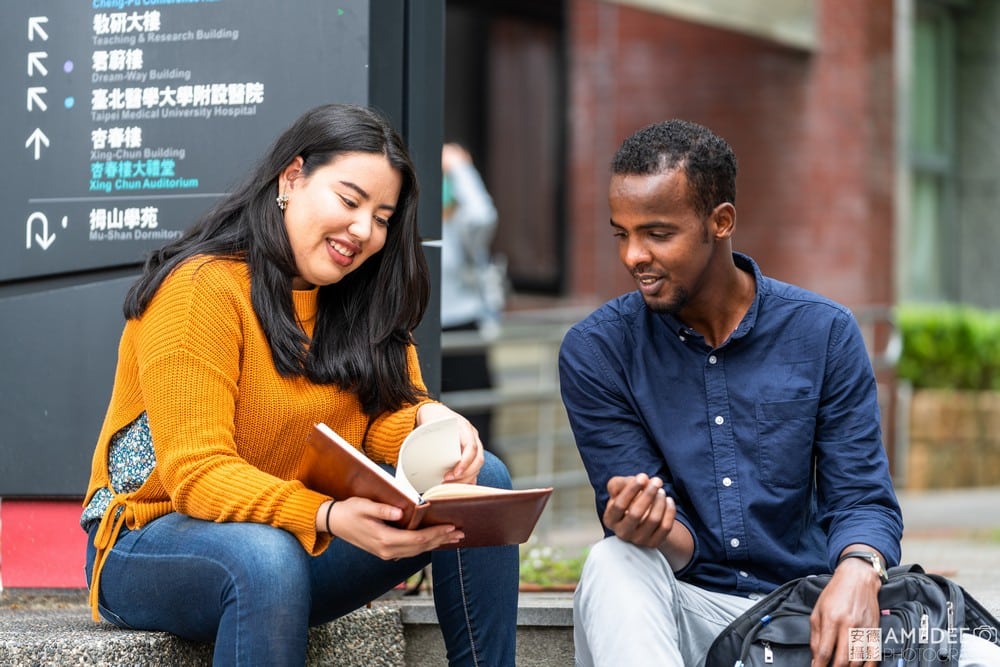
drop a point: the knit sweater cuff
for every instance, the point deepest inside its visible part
(298, 516)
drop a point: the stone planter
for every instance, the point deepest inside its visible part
(954, 439)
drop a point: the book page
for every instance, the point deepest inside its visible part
(487, 516)
(459, 490)
(427, 453)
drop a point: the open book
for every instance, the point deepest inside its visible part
(488, 516)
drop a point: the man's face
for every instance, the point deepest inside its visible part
(662, 241)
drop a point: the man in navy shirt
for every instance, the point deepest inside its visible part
(728, 422)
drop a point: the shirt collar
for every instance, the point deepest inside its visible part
(744, 263)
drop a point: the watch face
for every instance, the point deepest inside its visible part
(877, 564)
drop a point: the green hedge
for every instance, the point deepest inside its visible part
(949, 347)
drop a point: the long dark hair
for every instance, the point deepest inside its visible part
(365, 321)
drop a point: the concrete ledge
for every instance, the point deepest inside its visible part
(52, 629)
(544, 630)
(56, 637)
(541, 609)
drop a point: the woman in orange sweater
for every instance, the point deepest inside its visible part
(291, 302)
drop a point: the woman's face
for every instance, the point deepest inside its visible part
(338, 216)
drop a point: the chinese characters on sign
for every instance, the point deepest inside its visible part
(119, 161)
(140, 75)
(132, 117)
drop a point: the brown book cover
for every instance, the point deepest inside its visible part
(486, 515)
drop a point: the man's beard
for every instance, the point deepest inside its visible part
(671, 306)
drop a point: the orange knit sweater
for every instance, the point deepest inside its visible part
(228, 430)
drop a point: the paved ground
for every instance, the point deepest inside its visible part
(956, 533)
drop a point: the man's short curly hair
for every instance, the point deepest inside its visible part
(707, 160)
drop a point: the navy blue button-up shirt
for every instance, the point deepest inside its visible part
(770, 444)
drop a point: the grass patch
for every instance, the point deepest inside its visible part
(550, 566)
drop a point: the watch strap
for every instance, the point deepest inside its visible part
(872, 558)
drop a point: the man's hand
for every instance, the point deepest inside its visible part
(850, 600)
(638, 510)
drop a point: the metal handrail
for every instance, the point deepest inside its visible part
(524, 358)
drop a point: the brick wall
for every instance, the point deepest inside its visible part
(812, 130)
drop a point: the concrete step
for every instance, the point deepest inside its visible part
(544, 630)
(55, 629)
(51, 637)
(401, 631)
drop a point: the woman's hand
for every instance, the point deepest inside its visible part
(362, 522)
(467, 468)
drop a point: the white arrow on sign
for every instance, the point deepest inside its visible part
(35, 96)
(38, 138)
(35, 28)
(35, 59)
(44, 239)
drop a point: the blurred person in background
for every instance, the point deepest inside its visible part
(469, 301)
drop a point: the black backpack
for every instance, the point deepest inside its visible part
(923, 618)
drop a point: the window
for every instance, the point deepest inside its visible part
(929, 245)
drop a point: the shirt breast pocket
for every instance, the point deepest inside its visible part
(785, 434)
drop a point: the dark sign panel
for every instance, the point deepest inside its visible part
(123, 120)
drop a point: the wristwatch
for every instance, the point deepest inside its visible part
(872, 558)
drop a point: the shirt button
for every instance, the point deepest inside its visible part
(754, 596)
(726, 481)
(719, 420)
(735, 542)
(712, 359)
(743, 573)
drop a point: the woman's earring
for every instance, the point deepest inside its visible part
(282, 201)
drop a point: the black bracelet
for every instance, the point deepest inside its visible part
(328, 508)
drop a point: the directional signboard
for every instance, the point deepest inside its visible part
(123, 120)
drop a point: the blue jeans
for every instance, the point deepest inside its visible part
(254, 591)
